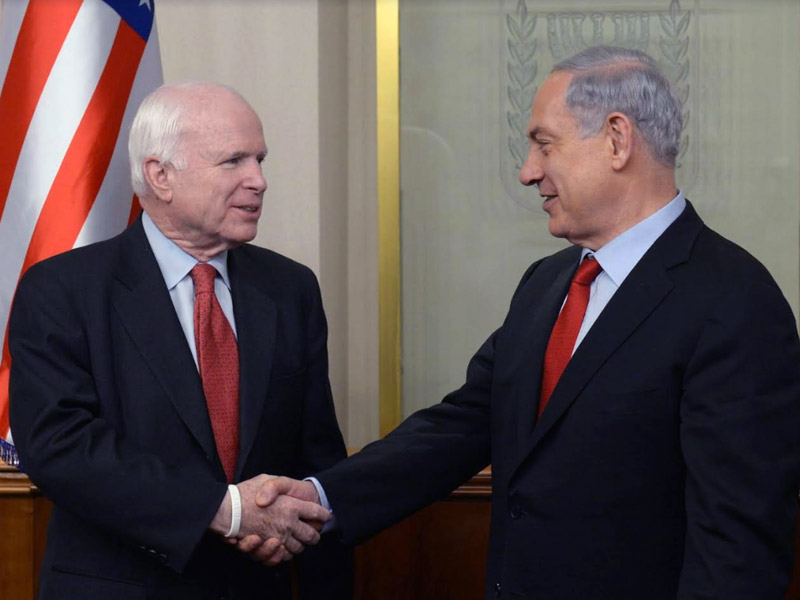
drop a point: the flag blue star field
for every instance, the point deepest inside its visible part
(73, 73)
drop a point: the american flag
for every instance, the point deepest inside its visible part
(73, 72)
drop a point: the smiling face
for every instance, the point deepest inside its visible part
(214, 203)
(574, 173)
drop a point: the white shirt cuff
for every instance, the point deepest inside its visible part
(323, 500)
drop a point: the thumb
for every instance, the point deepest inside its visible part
(271, 489)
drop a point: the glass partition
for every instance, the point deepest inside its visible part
(468, 72)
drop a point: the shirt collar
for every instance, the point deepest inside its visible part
(619, 256)
(174, 263)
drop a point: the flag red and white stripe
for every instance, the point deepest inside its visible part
(73, 72)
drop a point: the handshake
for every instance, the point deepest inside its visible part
(279, 518)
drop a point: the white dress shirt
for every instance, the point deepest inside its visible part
(176, 265)
(619, 256)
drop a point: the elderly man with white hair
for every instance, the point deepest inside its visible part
(157, 377)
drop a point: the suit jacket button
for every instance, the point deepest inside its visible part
(497, 590)
(516, 512)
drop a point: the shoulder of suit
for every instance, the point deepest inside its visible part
(555, 263)
(87, 260)
(727, 261)
(269, 263)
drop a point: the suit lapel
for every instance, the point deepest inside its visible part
(642, 291)
(534, 335)
(256, 321)
(143, 304)
(639, 295)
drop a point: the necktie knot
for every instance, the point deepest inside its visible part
(203, 276)
(588, 270)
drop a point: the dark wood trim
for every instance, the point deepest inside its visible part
(12, 482)
(439, 552)
(479, 487)
(24, 513)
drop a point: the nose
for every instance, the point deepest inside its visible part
(255, 179)
(531, 172)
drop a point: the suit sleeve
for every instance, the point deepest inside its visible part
(740, 436)
(428, 455)
(81, 462)
(325, 571)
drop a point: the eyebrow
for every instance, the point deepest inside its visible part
(241, 154)
(538, 130)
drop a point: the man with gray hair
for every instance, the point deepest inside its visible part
(640, 404)
(159, 375)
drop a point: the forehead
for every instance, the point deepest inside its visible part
(549, 110)
(223, 121)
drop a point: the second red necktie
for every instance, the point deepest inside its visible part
(567, 327)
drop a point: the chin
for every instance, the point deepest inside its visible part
(556, 231)
(242, 236)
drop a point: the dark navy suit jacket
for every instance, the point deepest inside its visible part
(110, 421)
(666, 464)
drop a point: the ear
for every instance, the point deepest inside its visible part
(157, 177)
(620, 135)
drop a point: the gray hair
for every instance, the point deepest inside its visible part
(158, 126)
(608, 79)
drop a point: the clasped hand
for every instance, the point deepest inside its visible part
(280, 517)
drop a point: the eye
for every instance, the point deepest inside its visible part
(235, 160)
(543, 146)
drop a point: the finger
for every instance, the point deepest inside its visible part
(318, 525)
(249, 543)
(309, 511)
(305, 533)
(282, 555)
(272, 548)
(294, 546)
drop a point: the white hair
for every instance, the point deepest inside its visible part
(608, 79)
(158, 126)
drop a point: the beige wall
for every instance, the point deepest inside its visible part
(307, 67)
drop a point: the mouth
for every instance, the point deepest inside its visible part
(249, 209)
(548, 200)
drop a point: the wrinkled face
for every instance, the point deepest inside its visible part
(216, 200)
(572, 173)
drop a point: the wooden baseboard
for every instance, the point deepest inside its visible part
(438, 553)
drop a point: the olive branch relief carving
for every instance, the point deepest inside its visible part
(522, 70)
(674, 45)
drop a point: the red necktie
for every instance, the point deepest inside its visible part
(565, 331)
(218, 358)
